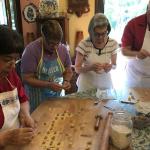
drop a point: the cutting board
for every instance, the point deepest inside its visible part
(68, 124)
(70, 127)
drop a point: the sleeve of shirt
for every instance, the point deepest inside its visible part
(21, 92)
(29, 60)
(115, 47)
(128, 37)
(81, 48)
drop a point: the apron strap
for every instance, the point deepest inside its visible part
(41, 61)
(10, 83)
(60, 62)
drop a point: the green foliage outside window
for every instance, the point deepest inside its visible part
(119, 12)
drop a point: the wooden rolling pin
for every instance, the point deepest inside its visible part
(105, 136)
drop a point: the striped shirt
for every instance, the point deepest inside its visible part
(85, 47)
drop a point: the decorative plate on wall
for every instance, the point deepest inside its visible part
(30, 12)
(48, 7)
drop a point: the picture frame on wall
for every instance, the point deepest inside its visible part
(30, 12)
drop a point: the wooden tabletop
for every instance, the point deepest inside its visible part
(69, 123)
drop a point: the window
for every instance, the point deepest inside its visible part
(119, 12)
(10, 14)
(3, 17)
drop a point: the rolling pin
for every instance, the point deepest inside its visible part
(105, 136)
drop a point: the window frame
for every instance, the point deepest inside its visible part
(17, 14)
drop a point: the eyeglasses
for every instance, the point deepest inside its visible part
(103, 34)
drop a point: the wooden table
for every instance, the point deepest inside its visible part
(68, 123)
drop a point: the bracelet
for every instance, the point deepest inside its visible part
(114, 66)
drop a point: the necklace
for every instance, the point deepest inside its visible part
(100, 49)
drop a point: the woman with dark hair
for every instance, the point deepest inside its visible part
(46, 65)
(96, 56)
(16, 124)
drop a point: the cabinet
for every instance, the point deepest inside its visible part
(63, 21)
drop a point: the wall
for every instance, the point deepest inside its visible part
(75, 23)
(27, 27)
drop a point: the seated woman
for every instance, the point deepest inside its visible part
(46, 65)
(96, 56)
(16, 124)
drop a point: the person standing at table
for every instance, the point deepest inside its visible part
(136, 45)
(16, 125)
(96, 56)
(46, 65)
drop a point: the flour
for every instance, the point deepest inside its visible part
(121, 136)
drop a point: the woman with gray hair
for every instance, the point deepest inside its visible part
(46, 65)
(96, 56)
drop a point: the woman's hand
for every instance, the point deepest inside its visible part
(96, 67)
(55, 86)
(28, 121)
(107, 67)
(66, 85)
(143, 54)
(18, 136)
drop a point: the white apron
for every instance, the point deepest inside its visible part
(91, 79)
(138, 70)
(10, 106)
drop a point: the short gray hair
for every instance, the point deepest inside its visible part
(98, 20)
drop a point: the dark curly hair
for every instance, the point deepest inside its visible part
(10, 41)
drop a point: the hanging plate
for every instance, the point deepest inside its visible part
(30, 12)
